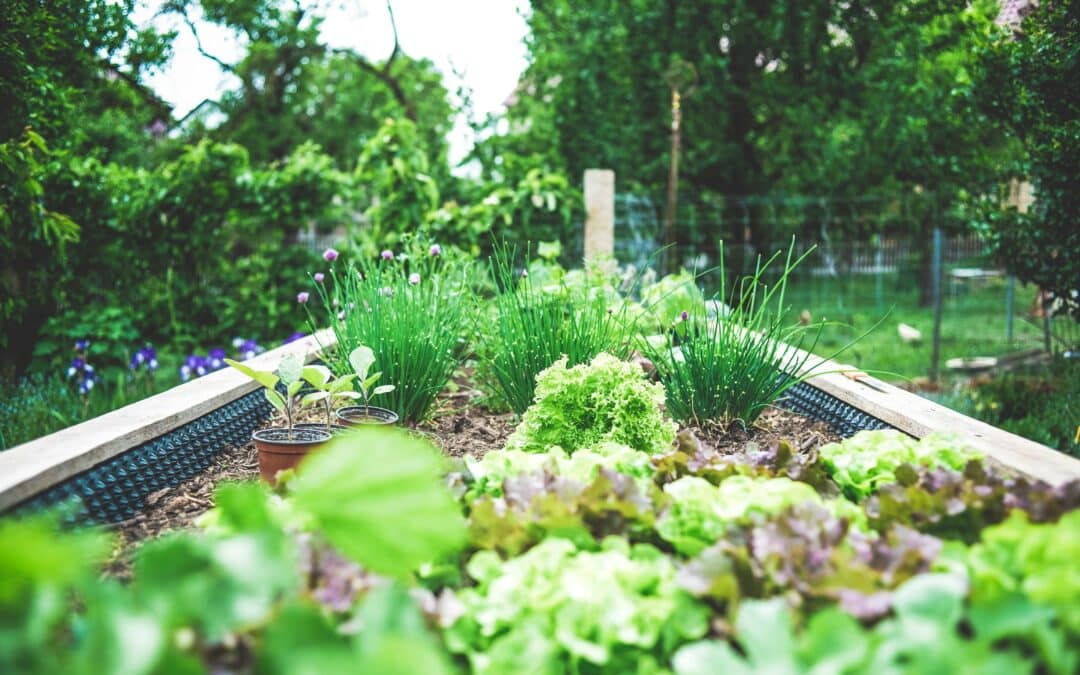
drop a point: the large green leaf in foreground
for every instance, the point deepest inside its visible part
(377, 496)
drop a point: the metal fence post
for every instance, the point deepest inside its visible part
(936, 271)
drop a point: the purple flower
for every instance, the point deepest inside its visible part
(435, 249)
(414, 278)
(144, 357)
(294, 337)
(216, 359)
(247, 349)
(387, 254)
(684, 316)
(82, 345)
(86, 386)
(302, 297)
(330, 255)
(341, 315)
(524, 274)
(76, 366)
(319, 276)
(335, 302)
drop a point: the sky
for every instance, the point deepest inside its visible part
(483, 40)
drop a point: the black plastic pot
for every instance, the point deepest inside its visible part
(335, 429)
(279, 450)
(361, 415)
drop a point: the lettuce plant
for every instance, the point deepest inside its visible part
(869, 459)
(604, 401)
(701, 512)
(609, 611)
(583, 465)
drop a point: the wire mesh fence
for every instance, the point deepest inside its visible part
(866, 274)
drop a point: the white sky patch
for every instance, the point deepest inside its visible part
(483, 40)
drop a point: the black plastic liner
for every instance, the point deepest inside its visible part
(116, 489)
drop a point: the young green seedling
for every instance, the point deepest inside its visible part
(287, 373)
(327, 388)
(361, 359)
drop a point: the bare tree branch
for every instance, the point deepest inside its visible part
(198, 45)
(397, 46)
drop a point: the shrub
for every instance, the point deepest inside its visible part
(411, 309)
(606, 400)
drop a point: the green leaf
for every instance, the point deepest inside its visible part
(383, 389)
(361, 360)
(709, 657)
(295, 387)
(314, 398)
(315, 375)
(263, 377)
(276, 399)
(290, 369)
(377, 496)
(366, 384)
(342, 383)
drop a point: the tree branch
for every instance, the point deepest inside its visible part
(397, 46)
(198, 45)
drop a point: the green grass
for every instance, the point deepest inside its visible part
(973, 321)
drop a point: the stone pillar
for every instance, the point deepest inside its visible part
(599, 213)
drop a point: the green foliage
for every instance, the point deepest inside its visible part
(701, 512)
(250, 578)
(670, 296)
(413, 330)
(924, 636)
(1041, 403)
(288, 374)
(394, 499)
(870, 458)
(394, 171)
(611, 610)
(582, 465)
(604, 401)
(537, 323)
(1036, 562)
(1023, 85)
(730, 367)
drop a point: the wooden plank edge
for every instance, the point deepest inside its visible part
(35, 466)
(920, 417)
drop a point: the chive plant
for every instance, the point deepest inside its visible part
(412, 311)
(729, 368)
(534, 327)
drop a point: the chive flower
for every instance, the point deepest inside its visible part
(387, 254)
(685, 315)
(319, 276)
(330, 255)
(414, 278)
(302, 297)
(435, 250)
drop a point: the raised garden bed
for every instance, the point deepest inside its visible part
(593, 535)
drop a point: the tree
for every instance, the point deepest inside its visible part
(294, 88)
(1028, 84)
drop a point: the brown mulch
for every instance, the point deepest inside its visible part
(770, 428)
(460, 425)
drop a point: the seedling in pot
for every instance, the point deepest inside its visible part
(361, 359)
(328, 389)
(287, 373)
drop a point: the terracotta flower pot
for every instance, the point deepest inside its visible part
(278, 452)
(359, 415)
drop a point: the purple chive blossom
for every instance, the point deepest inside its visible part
(435, 250)
(684, 316)
(335, 303)
(524, 274)
(387, 254)
(341, 315)
(330, 255)
(414, 278)
(302, 297)
(319, 276)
